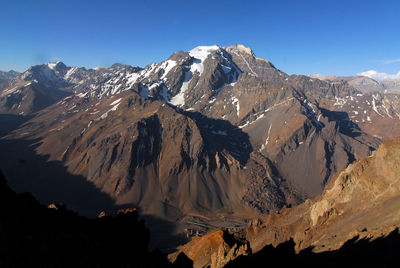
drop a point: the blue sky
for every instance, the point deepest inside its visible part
(341, 37)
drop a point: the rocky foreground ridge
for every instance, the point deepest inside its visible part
(354, 214)
(33, 235)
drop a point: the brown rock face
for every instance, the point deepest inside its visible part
(361, 200)
(215, 249)
(261, 68)
(360, 203)
(149, 154)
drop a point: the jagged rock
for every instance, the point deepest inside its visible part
(126, 211)
(214, 249)
(53, 206)
(102, 214)
(225, 254)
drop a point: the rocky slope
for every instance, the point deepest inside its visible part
(212, 129)
(360, 202)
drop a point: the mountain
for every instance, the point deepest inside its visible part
(359, 200)
(5, 76)
(391, 85)
(212, 131)
(32, 90)
(363, 83)
(43, 85)
(358, 207)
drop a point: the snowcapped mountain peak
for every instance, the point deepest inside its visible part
(50, 72)
(53, 65)
(202, 51)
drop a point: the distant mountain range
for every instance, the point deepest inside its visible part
(364, 83)
(5, 76)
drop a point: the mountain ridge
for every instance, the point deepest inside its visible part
(213, 129)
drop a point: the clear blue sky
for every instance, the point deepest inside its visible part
(343, 37)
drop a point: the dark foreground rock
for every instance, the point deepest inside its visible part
(32, 235)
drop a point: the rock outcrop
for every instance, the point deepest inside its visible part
(214, 250)
(361, 200)
(356, 214)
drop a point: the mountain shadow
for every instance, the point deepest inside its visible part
(344, 123)
(220, 135)
(381, 252)
(35, 236)
(10, 122)
(50, 181)
(162, 234)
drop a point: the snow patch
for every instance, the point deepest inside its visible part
(167, 66)
(179, 99)
(267, 140)
(200, 54)
(311, 110)
(52, 65)
(70, 72)
(236, 101)
(374, 105)
(81, 95)
(386, 109)
(115, 107)
(116, 102)
(132, 78)
(339, 101)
